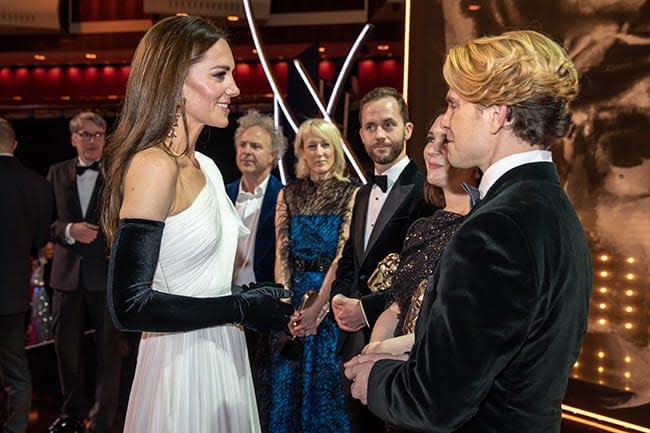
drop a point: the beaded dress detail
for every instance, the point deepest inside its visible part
(423, 245)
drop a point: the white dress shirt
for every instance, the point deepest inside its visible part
(85, 187)
(249, 207)
(378, 197)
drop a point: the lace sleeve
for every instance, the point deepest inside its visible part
(344, 230)
(282, 241)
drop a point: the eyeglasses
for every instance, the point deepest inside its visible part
(87, 136)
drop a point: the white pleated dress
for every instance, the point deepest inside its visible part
(196, 381)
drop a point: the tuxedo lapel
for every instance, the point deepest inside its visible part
(395, 200)
(92, 213)
(360, 222)
(71, 193)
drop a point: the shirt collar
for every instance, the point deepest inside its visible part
(502, 166)
(6, 154)
(257, 192)
(80, 163)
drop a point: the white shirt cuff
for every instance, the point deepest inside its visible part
(363, 312)
(69, 239)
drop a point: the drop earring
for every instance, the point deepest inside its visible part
(172, 132)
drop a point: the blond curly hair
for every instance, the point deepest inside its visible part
(524, 70)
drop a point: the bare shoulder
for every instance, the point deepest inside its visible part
(153, 159)
(149, 185)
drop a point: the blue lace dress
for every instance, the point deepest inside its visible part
(304, 393)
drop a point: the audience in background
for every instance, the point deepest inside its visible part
(40, 325)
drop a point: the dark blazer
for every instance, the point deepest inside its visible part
(76, 263)
(265, 237)
(404, 205)
(503, 318)
(25, 215)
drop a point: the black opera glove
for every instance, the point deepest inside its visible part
(134, 305)
(236, 290)
(261, 308)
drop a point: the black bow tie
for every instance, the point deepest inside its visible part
(381, 180)
(473, 192)
(82, 169)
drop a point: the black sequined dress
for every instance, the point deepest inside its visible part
(423, 246)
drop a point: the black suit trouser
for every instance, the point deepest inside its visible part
(70, 310)
(14, 371)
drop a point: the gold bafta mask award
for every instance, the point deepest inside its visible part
(382, 276)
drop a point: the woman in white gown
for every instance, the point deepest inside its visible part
(174, 236)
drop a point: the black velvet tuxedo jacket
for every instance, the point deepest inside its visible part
(25, 215)
(265, 236)
(404, 204)
(503, 318)
(77, 263)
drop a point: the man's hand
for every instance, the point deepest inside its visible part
(358, 369)
(84, 232)
(347, 313)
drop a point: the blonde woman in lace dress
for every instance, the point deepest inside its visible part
(305, 393)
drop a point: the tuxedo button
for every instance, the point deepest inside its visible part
(363, 278)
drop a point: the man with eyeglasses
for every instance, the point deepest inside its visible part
(79, 272)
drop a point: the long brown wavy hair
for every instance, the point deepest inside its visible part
(152, 99)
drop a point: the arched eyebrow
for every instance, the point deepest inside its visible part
(222, 67)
